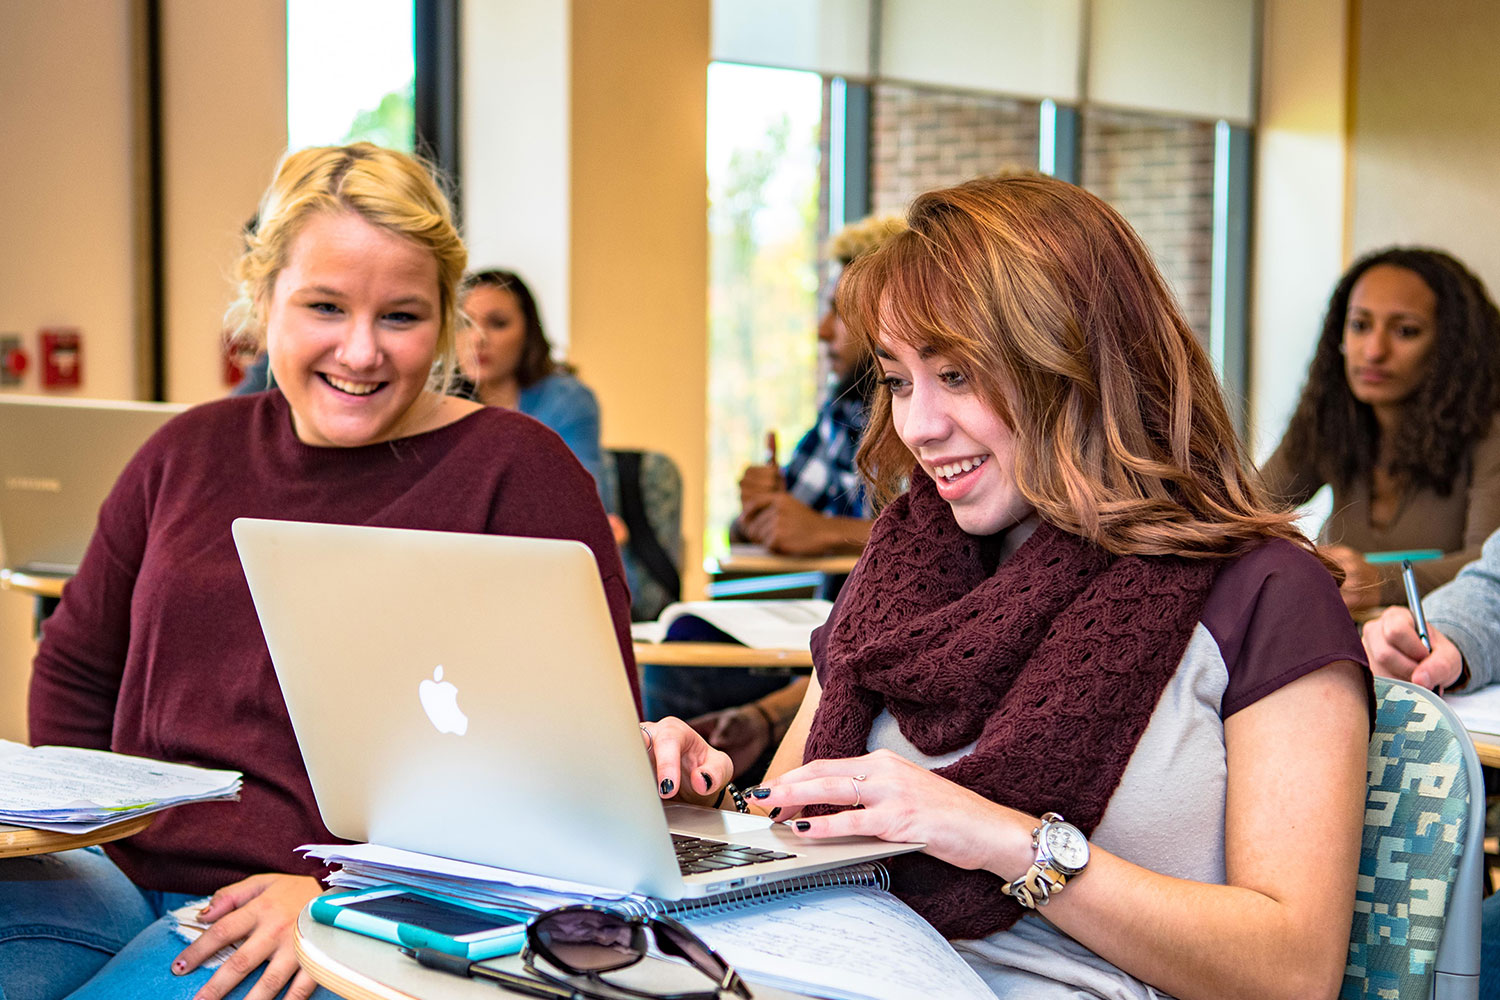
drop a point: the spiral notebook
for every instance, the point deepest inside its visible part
(363, 866)
(837, 934)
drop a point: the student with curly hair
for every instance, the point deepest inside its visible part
(1399, 416)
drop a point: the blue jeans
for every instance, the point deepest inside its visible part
(72, 925)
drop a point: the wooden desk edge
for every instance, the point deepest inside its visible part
(336, 977)
(756, 564)
(30, 583)
(1487, 747)
(718, 654)
(16, 841)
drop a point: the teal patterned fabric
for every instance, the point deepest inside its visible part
(1416, 812)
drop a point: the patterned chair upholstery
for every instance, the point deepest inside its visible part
(1416, 910)
(646, 488)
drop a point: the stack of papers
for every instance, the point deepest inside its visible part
(783, 624)
(365, 866)
(1478, 710)
(72, 790)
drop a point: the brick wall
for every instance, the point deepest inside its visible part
(922, 138)
(1159, 174)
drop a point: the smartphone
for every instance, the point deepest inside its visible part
(418, 919)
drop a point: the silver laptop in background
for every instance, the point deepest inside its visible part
(463, 696)
(58, 461)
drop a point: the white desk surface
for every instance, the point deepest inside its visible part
(362, 968)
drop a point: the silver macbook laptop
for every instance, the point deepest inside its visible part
(463, 696)
(58, 461)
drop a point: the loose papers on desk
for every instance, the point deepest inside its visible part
(787, 624)
(844, 941)
(72, 790)
(1479, 710)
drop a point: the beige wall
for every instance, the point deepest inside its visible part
(639, 232)
(1426, 137)
(69, 197)
(1298, 246)
(65, 126)
(224, 125)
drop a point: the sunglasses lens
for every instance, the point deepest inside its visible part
(674, 939)
(589, 940)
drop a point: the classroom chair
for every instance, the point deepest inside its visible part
(1416, 910)
(647, 489)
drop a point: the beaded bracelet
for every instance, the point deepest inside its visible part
(734, 793)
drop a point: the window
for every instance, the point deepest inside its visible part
(764, 183)
(350, 72)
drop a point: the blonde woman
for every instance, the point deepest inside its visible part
(351, 277)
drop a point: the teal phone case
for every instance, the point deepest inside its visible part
(325, 910)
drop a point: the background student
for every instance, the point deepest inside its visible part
(1399, 416)
(351, 278)
(816, 505)
(1082, 605)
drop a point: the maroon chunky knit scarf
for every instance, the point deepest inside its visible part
(1053, 664)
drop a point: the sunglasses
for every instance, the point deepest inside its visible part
(588, 940)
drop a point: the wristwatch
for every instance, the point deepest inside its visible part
(1062, 851)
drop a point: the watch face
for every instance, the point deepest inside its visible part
(1067, 846)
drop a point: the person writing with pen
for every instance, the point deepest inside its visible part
(817, 505)
(1461, 654)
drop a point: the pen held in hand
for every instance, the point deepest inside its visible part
(1414, 601)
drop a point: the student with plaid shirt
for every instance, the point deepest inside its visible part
(817, 505)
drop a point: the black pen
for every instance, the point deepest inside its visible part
(434, 959)
(1414, 601)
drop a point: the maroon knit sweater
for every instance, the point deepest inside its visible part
(1051, 665)
(156, 649)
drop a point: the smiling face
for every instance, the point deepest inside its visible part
(1389, 334)
(352, 329)
(957, 437)
(490, 348)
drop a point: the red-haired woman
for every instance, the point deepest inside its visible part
(1082, 650)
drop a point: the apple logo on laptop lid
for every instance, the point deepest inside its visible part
(440, 702)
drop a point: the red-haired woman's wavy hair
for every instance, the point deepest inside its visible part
(1049, 302)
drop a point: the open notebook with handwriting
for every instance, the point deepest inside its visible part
(837, 934)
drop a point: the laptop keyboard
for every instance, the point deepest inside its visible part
(696, 855)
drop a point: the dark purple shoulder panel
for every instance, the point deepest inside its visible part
(1277, 615)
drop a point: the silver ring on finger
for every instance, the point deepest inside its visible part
(855, 780)
(650, 743)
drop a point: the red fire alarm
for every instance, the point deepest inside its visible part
(13, 360)
(62, 358)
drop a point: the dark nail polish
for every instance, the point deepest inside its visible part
(667, 786)
(708, 780)
(774, 812)
(759, 792)
(803, 826)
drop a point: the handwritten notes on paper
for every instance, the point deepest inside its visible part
(848, 943)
